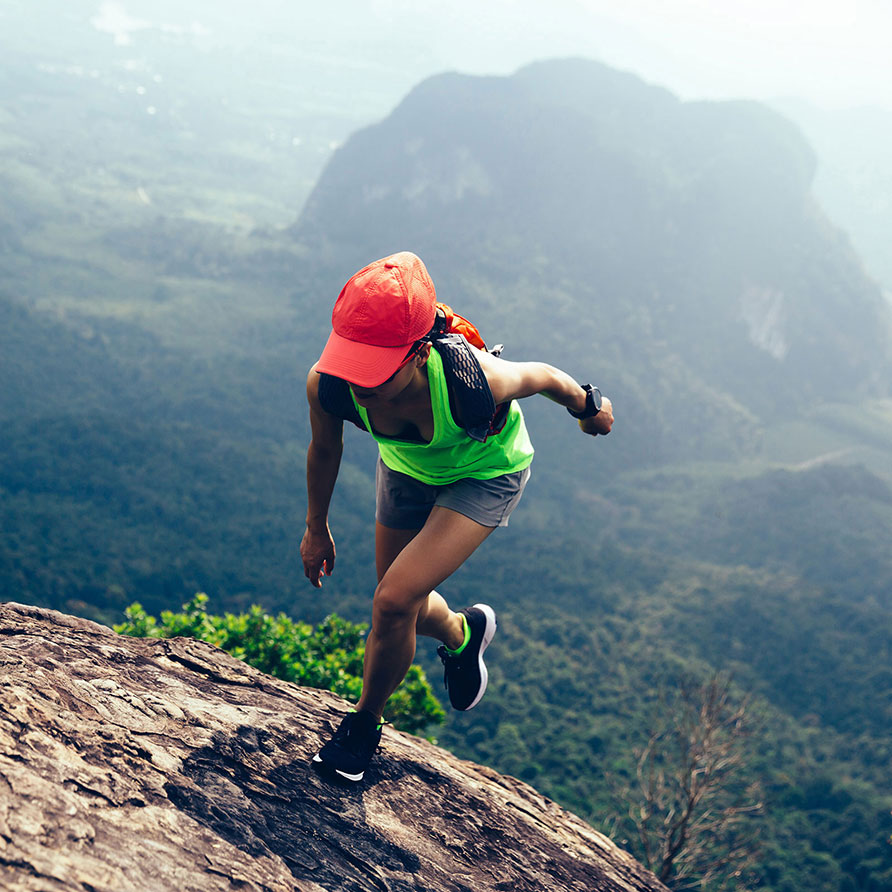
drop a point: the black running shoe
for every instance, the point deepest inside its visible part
(466, 676)
(351, 747)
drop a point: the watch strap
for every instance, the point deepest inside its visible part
(592, 403)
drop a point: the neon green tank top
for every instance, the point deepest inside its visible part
(452, 455)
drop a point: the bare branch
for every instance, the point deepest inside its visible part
(690, 811)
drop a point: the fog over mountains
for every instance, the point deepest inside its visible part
(164, 286)
(854, 179)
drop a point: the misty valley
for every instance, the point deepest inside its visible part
(166, 280)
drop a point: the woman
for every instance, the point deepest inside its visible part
(442, 487)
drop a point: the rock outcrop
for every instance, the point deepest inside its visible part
(153, 764)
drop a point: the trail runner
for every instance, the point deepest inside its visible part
(442, 485)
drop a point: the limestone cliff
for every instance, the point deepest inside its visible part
(151, 764)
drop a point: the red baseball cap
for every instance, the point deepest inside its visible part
(381, 311)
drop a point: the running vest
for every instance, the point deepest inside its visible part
(452, 454)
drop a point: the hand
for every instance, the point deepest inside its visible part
(317, 550)
(602, 423)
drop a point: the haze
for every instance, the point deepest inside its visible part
(830, 54)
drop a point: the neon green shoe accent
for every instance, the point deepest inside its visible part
(464, 643)
(383, 722)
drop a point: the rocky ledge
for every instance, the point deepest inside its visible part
(153, 764)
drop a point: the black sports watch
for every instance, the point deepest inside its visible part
(592, 403)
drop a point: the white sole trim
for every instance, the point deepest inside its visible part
(343, 774)
(488, 634)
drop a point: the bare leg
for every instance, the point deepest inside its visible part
(406, 599)
(435, 619)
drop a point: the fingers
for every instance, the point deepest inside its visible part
(604, 418)
(607, 413)
(314, 571)
(597, 425)
(317, 552)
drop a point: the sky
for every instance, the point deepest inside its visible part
(830, 53)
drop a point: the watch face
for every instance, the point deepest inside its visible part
(592, 403)
(596, 399)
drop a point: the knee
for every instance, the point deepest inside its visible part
(394, 603)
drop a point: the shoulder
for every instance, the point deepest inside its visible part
(327, 428)
(515, 380)
(501, 375)
(325, 393)
(313, 388)
(330, 399)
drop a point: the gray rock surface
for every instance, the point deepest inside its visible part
(154, 764)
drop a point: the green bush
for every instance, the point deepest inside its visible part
(328, 656)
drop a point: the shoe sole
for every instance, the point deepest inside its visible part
(350, 777)
(488, 634)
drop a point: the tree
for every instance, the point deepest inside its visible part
(688, 808)
(328, 656)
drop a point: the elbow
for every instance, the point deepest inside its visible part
(324, 453)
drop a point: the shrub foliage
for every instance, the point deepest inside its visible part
(327, 656)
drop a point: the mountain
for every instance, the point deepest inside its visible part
(147, 764)
(154, 426)
(853, 180)
(673, 249)
(736, 517)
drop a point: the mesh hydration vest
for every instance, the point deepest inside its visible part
(470, 398)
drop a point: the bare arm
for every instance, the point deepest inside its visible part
(317, 549)
(516, 380)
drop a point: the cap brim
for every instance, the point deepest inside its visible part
(362, 364)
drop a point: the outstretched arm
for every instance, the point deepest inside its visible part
(317, 548)
(516, 380)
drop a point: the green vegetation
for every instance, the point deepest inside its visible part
(328, 656)
(151, 403)
(571, 700)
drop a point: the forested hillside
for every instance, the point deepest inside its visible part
(152, 361)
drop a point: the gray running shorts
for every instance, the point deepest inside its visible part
(403, 503)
